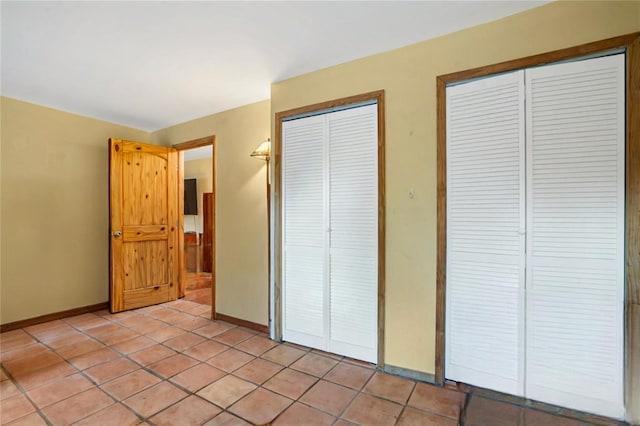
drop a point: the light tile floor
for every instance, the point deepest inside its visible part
(170, 365)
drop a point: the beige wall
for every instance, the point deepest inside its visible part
(201, 170)
(241, 206)
(408, 77)
(55, 204)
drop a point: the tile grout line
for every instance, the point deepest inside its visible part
(462, 418)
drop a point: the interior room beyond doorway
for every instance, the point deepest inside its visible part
(198, 222)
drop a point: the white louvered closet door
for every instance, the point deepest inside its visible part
(304, 231)
(575, 249)
(330, 231)
(353, 218)
(485, 227)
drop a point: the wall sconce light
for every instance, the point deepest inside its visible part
(263, 151)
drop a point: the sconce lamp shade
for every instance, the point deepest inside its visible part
(263, 151)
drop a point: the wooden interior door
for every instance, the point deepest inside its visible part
(207, 235)
(143, 218)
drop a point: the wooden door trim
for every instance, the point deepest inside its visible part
(195, 143)
(198, 143)
(276, 162)
(630, 42)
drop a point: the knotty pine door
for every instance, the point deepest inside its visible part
(143, 213)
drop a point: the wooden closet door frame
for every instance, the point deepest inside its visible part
(631, 43)
(276, 161)
(197, 143)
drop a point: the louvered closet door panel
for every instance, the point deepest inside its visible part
(485, 222)
(304, 231)
(353, 213)
(575, 249)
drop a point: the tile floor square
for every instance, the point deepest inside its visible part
(233, 336)
(260, 406)
(152, 354)
(184, 341)
(192, 323)
(90, 359)
(230, 360)
(53, 333)
(118, 336)
(211, 330)
(300, 414)
(413, 417)
(57, 390)
(147, 326)
(439, 400)
(155, 399)
(197, 377)
(192, 410)
(68, 339)
(329, 397)
(72, 351)
(226, 419)
(16, 340)
(349, 375)
(256, 345)
(390, 387)
(172, 365)
(77, 407)
(290, 383)
(104, 330)
(369, 410)
(129, 384)
(539, 418)
(486, 412)
(315, 365)
(226, 391)
(110, 370)
(32, 379)
(283, 355)
(258, 371)
(206, 350)
(30, 359)
(113, 415)
(134, 345)
(15, 407)
(163, 334)
(33, 419)
(8, 389)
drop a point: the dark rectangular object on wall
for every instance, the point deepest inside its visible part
(190, 197)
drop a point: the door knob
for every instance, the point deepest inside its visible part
(117, 234)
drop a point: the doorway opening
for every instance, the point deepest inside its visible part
(197, 221)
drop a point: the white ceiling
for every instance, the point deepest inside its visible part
(153, 64)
